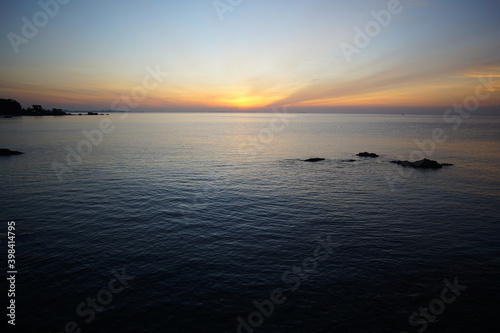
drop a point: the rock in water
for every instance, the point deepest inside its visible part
(315, 159)
(367, 154)
(422, 164)
(8, 152)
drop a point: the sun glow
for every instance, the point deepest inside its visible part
(245, 102)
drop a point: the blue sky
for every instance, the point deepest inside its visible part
(262, 54)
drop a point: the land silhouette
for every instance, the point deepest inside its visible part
(10, 107)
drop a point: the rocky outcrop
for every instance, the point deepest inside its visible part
(8, 152)
(315, 159)
(367, 154)
(422, 164)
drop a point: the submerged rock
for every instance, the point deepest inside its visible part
(8, 152)
(422, 164)
(367, 154)
(315, 159)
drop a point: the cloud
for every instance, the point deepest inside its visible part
(396, 72)
(480, 70)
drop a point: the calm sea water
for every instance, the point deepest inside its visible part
(205, 214)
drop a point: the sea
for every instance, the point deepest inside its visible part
(214, 222)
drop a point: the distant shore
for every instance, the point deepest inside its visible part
(10, 108)
(50, 113)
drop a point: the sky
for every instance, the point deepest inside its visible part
(224, 55)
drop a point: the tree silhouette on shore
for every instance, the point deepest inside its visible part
(12, 107)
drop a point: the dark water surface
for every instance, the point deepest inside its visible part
(204, 214)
